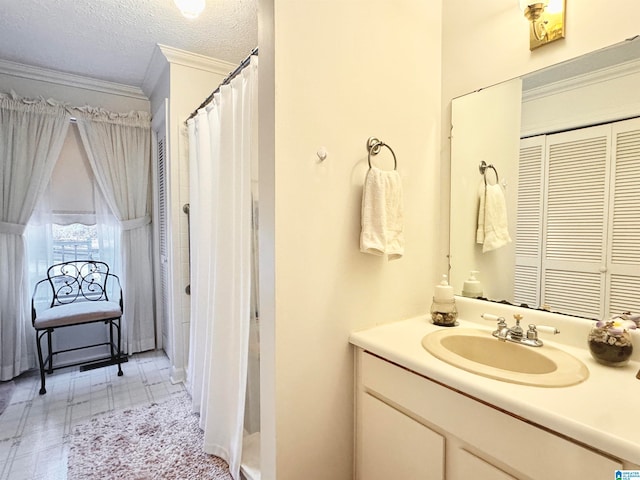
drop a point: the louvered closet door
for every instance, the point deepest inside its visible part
(574, 258)
(529, 221)
(162, 239)
(624, 221)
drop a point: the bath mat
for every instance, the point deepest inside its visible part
(157, 441)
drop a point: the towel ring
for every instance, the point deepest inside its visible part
(374, 146)
(483, 171)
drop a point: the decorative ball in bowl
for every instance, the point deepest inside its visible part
(610, 341)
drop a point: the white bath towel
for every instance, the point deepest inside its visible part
(382, 214)
(493, 227)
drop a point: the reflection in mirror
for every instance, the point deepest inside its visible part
(567, 157)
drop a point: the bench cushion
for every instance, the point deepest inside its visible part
(77, 312)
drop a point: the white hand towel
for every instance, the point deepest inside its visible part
(382, 214)
(493, 228)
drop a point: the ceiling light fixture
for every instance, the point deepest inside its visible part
(546, 19)
(190, 8)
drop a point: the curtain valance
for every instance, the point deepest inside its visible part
(133, 118)
(40, 105)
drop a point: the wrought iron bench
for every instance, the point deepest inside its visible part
(80, 292)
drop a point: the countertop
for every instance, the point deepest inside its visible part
(600, 412)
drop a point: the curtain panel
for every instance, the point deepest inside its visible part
(119, 150)
(31, 136)
(222, 147)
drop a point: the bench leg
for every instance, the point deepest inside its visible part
(114, 351)
(111, 348)
(119, 347)
(39, 336)
(49, 332)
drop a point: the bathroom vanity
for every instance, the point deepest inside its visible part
(420, 417)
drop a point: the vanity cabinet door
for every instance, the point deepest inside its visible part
(462, 465)
(395, 446)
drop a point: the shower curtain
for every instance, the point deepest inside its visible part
(222, 151)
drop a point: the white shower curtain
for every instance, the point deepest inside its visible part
(222, 146)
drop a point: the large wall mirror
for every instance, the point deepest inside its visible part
(563, 149)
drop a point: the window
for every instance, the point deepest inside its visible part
(75, 241)
(70, 223)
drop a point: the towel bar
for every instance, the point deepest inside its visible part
(374, 146)
(483, 171)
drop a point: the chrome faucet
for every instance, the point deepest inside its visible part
(517, 335)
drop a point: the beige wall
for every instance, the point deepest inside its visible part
(487, 42)
(343, 70)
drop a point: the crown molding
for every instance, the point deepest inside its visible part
(69, 80)
(164, 55)
(591, 78)
(569, 120)
(155, 70)
(197, 61)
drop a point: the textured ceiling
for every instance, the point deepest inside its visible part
(114, 40)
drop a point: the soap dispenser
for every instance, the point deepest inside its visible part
(472, 287)
(443, 308)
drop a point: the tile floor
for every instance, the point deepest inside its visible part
(35, 429)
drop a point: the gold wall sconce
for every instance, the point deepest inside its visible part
(546, 21)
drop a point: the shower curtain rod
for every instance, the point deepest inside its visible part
(230, 77)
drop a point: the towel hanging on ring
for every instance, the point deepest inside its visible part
(493, 228)
(382, 218)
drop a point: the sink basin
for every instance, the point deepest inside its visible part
(478, 352)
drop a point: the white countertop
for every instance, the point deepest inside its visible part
(600, 412)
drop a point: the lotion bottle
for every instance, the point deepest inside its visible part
(443, 308)
(472, 287)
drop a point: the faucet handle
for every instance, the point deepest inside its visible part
(547, 329)
(532, 333)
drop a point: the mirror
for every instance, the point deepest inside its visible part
(497, 125)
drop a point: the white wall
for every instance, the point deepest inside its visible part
(187, 80)
(486, 128)
(333, 73)
(487, 42)
(189, 87)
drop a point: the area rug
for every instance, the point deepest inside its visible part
(6, 391)
(158, 441)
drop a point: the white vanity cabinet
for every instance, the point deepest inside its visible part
(410, 427)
